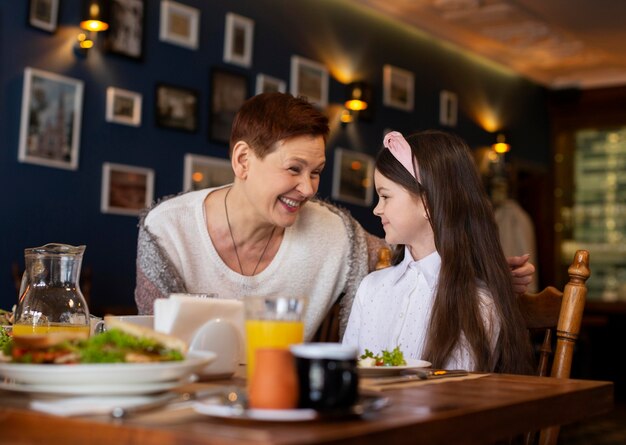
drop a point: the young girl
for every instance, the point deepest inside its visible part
(448, 298)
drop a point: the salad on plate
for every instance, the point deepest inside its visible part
(387, 363)
(394, 357)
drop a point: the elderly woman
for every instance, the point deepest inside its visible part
(265, 233)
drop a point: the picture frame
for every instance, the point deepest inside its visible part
(398, 88)
(448, 108)
(50, 120)
(206, 171)
(44, 14)
(125, 36)
(179, 24)
(239, 39)
(269, 84)
(353, 177)
(229, 90)
(176, 107)
(123, 107)
(309, 79)
(126, 189)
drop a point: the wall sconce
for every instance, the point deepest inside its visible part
(501, 146)
(94, 18)
(358, 102)
(356, 99)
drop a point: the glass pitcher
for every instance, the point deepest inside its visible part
(50, 298)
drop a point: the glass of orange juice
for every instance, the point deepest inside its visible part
(272, 322)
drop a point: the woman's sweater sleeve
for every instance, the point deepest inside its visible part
(156, 275)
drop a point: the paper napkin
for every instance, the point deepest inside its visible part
(183, 315)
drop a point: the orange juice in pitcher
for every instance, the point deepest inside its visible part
(50, 297)
(25, 329)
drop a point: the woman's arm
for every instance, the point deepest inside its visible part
(156, 275)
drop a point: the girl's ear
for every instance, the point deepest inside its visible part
(240, 159)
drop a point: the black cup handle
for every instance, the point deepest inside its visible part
(347, 379)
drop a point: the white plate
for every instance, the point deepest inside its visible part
(267, 415)
(375, 371)
(105, 373)
(95, 389)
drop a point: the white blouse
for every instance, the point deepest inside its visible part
(392, 308)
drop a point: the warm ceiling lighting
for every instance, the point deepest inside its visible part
(84, 42)
(346, 116)
(501, 146)
(357, 96)
(94, 17)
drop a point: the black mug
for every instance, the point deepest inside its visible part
(327, 375)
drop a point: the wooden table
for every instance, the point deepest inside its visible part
(473, 411)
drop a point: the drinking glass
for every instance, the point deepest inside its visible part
(272, 322)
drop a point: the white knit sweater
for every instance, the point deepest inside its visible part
(315, 258)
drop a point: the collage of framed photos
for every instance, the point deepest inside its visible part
(176, 107)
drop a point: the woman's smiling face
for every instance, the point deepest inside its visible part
(280, 184)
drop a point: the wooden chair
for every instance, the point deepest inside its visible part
(552, 309)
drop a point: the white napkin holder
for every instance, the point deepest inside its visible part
(206, 324)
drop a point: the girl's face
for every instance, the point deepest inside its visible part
(403, 217)
(282, 182)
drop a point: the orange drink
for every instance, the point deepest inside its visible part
(270, 334)
(29, 329)
(272, 322)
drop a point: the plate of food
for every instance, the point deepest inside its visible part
(387, 363)
(125, 354)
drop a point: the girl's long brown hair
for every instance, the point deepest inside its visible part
(466, 238)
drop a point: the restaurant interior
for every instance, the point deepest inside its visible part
(151, 100)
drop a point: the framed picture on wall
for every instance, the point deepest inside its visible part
(51, 117)
(448, 108)
(43, 14)
(229, 90)
(353, 175)
(123, 107)
(268, 84)
(238, 41)
(176, 107)
(126, 190)
(398, 88)
(180, 24)
(125, 35)
(309, 79)
(205, 171)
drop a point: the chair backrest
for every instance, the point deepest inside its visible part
(551, 310)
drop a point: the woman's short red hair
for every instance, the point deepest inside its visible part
(268, 118)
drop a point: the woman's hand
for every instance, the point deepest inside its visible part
(521, 272)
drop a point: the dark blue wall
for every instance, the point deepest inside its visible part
(42, 204)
